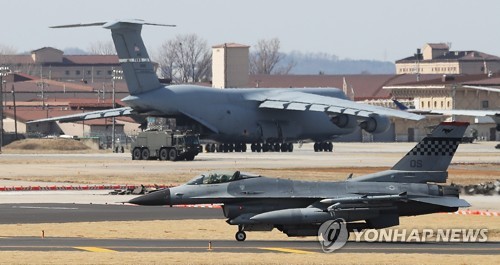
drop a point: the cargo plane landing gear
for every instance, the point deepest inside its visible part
(255, 147)
(323, 147)
(268, 147)
(225, 148)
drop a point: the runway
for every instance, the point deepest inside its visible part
(65, 213)
(95, 206)
(30, 213)
(250, 246)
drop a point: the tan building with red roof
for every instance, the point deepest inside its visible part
(436, 58)
(52, 64)
(462, 92)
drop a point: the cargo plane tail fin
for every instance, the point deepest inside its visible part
(138, 70)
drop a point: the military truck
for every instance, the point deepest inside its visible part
(165, 145)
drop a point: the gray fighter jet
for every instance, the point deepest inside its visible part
(298, 208)
(269, 119)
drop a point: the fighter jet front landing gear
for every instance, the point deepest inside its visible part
(241, 236)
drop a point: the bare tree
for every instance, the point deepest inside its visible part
(186, 58)
(10, 58)
(6, 53)
(267, 59)
(102, 48)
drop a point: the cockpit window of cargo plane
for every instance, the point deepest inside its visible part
(218, 177)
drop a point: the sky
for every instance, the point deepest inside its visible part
(385, 30)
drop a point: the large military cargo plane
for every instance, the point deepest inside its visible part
(298, 208)
(268, 119)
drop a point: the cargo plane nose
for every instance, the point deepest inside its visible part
(161, 197)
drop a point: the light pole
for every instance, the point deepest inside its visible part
(41, 84)
(15, 109)
(4, 71)
(117, 75)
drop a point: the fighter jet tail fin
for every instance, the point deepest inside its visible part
(138, 70)
(428, 161)
(434, 152)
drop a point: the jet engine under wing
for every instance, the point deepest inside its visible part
(301, 101)
(109, 113)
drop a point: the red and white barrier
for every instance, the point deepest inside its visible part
(476, 212)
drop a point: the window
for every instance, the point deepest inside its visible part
(448, 104)
(98, 72)
(77, 72)
(428, 104)
(110, 72)
(89, 72)
(66, 72)
(485, 104)
(442, 104)
(435, 104)
(423, 104)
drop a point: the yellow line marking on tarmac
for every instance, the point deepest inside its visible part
(95, 249)
(288, 250)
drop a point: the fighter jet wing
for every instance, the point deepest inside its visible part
(294, 100)
(443, 201)
(109, 113)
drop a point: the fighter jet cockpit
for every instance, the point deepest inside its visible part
(214, 177)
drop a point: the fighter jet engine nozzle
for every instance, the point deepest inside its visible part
(161, 197)
(344, 121)
(376, 124)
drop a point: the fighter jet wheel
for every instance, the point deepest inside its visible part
(240, 236)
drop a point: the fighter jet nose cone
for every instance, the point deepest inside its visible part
(161, 197)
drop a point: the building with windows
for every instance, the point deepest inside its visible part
(464, 92)
(52, 64)
(436, 58)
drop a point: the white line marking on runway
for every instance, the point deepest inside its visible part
(48, 208)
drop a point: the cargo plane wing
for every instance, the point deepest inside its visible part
(264, 117)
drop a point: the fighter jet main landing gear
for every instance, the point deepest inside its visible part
(240, 235)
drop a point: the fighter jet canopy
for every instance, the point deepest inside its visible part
(214, 177)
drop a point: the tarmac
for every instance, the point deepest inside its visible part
(97, 205)
(31, 213)
(344, 155)
(250, 246)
